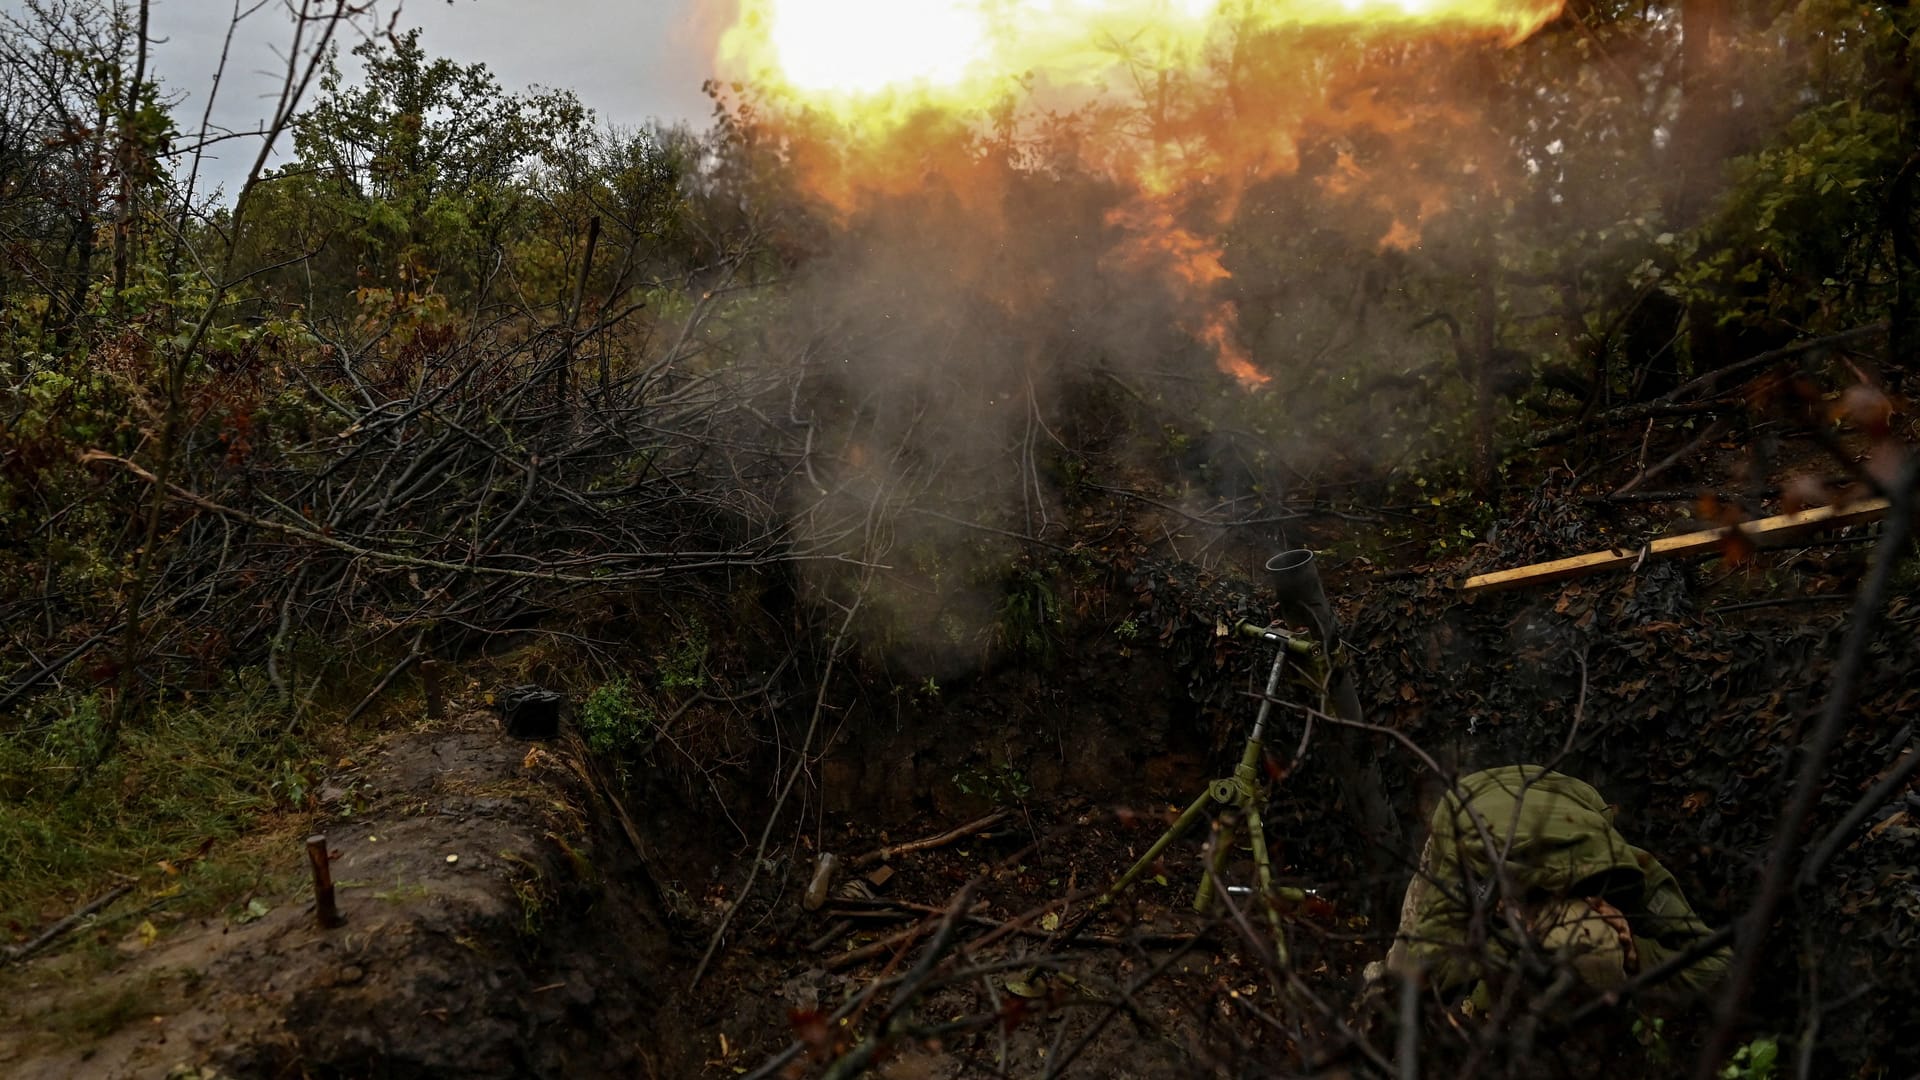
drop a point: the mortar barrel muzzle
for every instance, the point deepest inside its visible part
(1296, 582)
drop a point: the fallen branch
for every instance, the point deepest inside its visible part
(701, 561)
(1841, 834)
(65, 926)
(1618, 498)
(1626, 414)
(1711, 380)
(381, 686)
(54, 668)
(884, 945)
(1674, 403)
(1778, 601)
(1712, 432)
(931, 842)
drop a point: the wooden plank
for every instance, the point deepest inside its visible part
(1765, 531)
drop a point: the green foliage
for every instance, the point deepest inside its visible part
(613, 720)
(1651, 1033)
(411, 179)
(999, 783)
(684, 667)
(195, 771)
(1799, 239)
(1757, 1060)
(1030, 615)
(533, 891)
(619, 718)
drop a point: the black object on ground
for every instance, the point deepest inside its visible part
(531, 712)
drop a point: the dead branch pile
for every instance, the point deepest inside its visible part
(427, 491)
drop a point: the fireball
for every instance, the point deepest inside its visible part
(850, 56)
(900, 84)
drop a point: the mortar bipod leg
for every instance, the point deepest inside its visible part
(1216, 865)
(1185, 821)
(1263, 864)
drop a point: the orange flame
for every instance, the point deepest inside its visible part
(880, 60)
(875, 95)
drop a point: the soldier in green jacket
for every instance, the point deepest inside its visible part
(1574, 891)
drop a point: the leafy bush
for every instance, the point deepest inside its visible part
(613, 720)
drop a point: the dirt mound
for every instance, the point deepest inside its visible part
(487, 934)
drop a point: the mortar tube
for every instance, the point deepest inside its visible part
(1297, 585)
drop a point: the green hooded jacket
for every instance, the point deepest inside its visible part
(1560, 842)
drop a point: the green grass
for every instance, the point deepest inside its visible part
(192, 772)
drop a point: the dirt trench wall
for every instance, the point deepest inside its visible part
(1138, 698)
(496, 926)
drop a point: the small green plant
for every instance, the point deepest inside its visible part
(685, 668)
(1128, 630)
(613, 719)
(530, 887)
(1756, 1060)
(1001, 783)
(78, 735)
(1030, 616)
(1651, 1033)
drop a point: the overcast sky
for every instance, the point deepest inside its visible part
(630, 61)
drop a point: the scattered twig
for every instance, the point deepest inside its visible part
(1778, 601)
(1712, 432)
(65, 926)
(793, 775)
(929, 843)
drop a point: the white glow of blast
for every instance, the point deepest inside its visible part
(864, 46)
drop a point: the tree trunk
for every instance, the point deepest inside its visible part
(1697, 154)
(1903, 195)
(125, 161)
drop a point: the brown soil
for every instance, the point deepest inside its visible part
(479, 941)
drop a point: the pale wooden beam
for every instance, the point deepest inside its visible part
(1761, 533)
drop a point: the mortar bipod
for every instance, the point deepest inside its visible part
(1242, 792)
